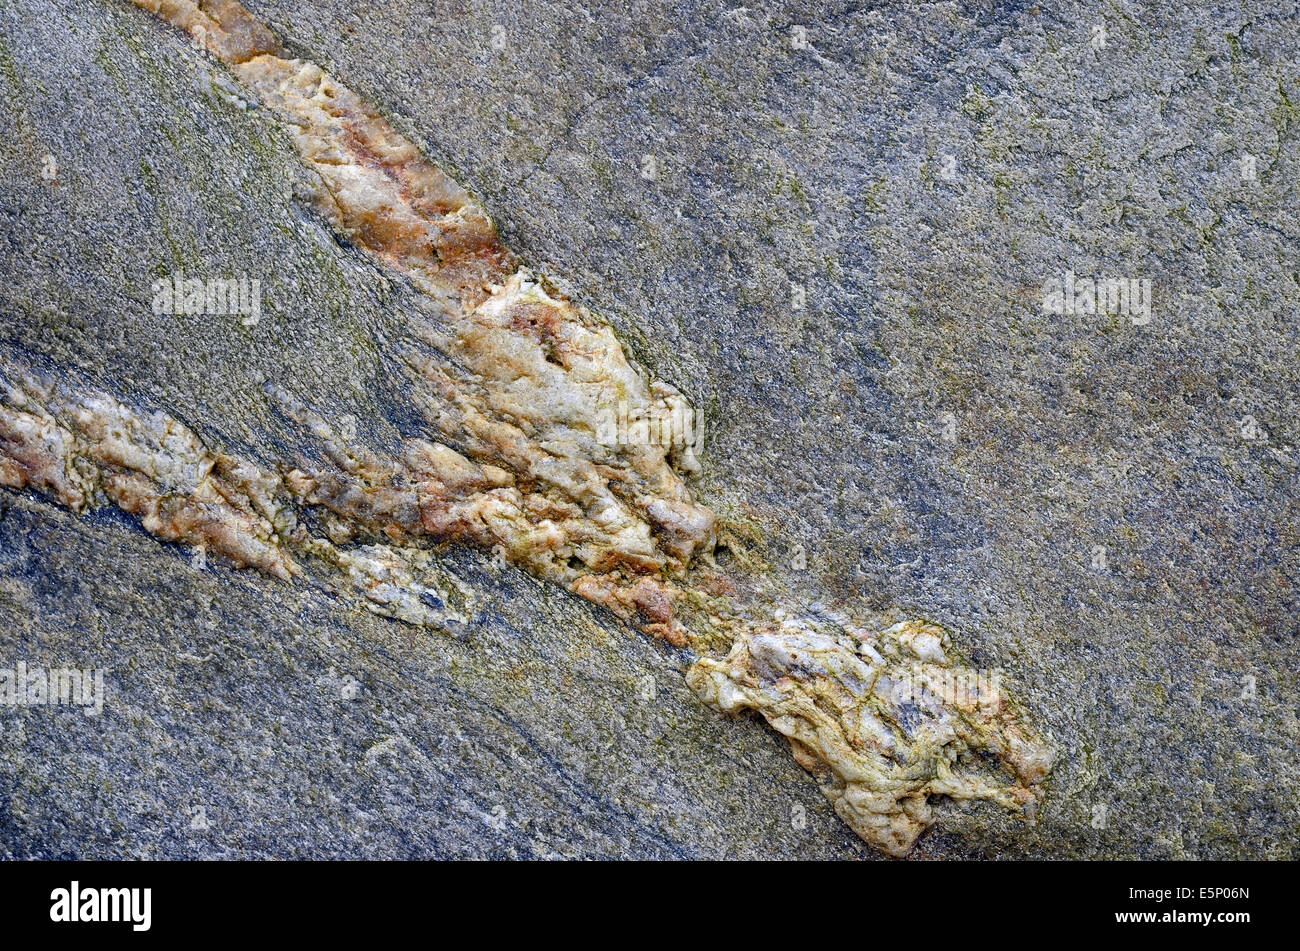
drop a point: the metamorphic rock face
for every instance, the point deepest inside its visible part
(515, 388)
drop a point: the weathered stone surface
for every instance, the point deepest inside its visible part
(1082, 500)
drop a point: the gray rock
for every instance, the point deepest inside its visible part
(1104, 508)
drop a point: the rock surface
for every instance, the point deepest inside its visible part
(831, 228)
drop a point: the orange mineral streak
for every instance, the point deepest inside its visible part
(531, 381)
(77, 446)
(223, 27)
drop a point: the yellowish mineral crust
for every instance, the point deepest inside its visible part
(514, 386)
(879, 719)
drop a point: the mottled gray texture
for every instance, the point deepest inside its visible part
(822, 166)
